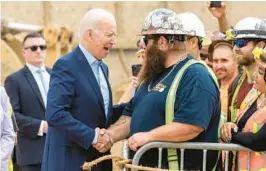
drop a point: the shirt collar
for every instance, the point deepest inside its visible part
(90, 58)
(33, 68)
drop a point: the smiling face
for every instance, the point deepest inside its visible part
(224, 64)
(102, 39)
(244, 54)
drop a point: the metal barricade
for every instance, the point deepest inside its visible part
(125, 152)
(192, 146)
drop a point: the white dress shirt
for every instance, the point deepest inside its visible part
(46, 79)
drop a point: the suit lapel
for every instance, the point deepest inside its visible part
(88, 73)
(33, 85)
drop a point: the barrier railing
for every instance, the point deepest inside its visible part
(125, 152)
(192, 146)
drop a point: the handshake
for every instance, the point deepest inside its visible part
(104, 140)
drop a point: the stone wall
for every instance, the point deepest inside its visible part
(130, 15)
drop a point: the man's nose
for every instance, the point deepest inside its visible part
(113, 42)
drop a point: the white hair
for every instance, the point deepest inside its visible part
(91, 19)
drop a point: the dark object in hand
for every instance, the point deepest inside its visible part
(136, 69)
(216, 4)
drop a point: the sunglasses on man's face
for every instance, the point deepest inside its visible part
(147, 38)
(241, 43)
(35, 47)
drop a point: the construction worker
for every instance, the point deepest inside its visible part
(225, 68)
(250, 129)
(195, 113)
(196, 37)
(246, 34)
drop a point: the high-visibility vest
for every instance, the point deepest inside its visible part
(170, 105)
(257, 160)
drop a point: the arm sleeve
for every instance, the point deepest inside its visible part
(128, 109)
(7, 138)
(254, 141)
(59, 103)
(117, 111)
(197, 101)
(27, 125)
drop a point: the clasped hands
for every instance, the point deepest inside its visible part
(104, 140)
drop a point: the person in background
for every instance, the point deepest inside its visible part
(246, 35)
(250, 128)
(7, 133)
(27, 89)
(219, 12)
(225, 68)
(130, 91)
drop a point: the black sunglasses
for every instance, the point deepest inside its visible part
(35, 47)
(147, 38)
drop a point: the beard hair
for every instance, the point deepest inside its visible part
(244, 60)
(154, 64)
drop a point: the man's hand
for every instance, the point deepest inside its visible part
(137, 140)
(225, 131)
(217, 12)
(104, 142)
(45, 127)
(135, 81)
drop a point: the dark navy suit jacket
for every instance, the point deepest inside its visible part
(75, 108)
(29, 109)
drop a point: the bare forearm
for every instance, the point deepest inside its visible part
(120, 130)
(128, 94)
(223, 24)
(175, 132)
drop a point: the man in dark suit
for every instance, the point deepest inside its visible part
(80, 99)
(27, 89)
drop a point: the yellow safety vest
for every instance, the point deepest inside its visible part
(170, 104)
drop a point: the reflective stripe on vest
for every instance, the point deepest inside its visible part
(257, 159)
(170, 104)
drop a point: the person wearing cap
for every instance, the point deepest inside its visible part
(196, 110)
(250, 128)
(225, 68)
(247, 33)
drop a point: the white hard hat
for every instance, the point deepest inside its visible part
(194, 26)
(250, 27)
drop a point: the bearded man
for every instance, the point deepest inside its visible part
(197, 102)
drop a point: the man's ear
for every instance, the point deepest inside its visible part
(162, 42)
(88, 34)
(194, 42)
